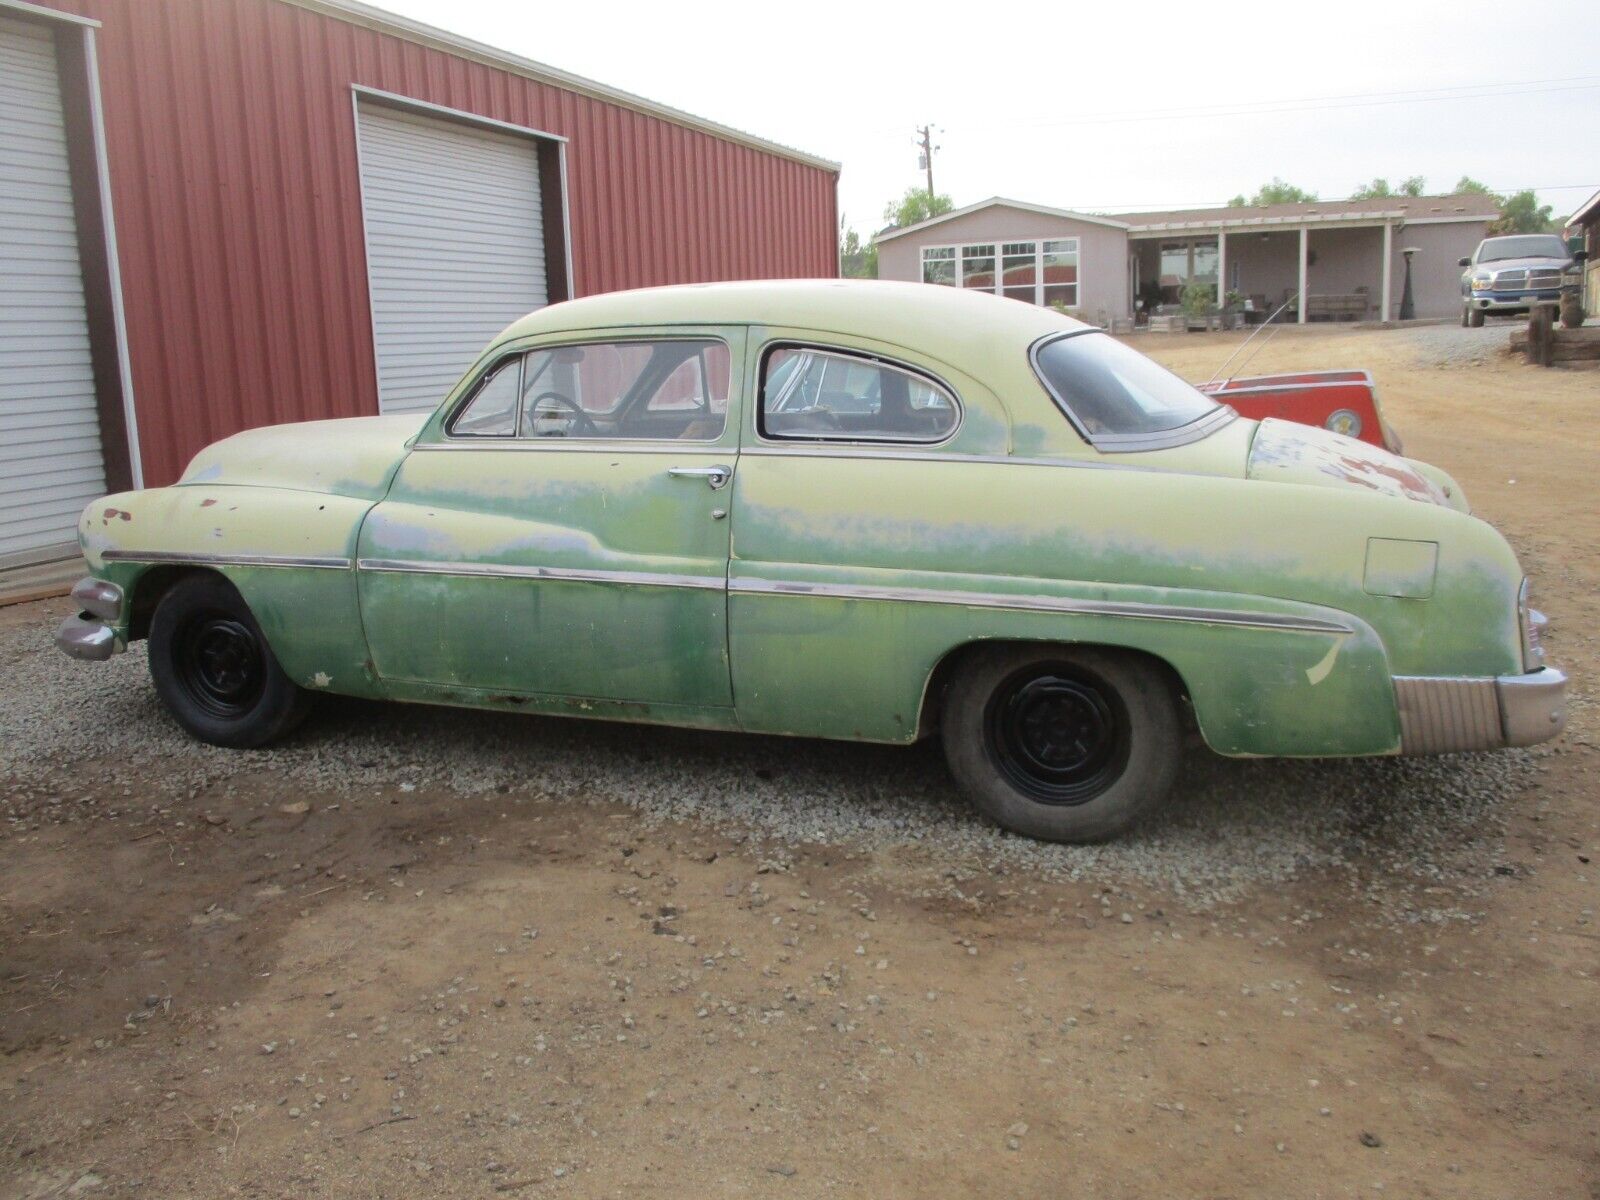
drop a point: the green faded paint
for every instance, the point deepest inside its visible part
(352, 456)
(1252, 523)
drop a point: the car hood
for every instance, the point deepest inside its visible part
(1288, 452)
(355, 456)
(1525, 264)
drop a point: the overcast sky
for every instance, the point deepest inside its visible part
(1115, 106)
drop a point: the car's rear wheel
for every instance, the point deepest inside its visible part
(1066, 744)
(1475, 317)
(213, 669)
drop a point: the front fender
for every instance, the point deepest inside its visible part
(291, 555)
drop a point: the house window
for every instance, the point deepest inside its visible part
(1188, 262)
(1035, 272)
(939, 265)
(977, 267)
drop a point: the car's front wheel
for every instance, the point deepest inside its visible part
(1474, 317)
(1069, 744)
(214, 670)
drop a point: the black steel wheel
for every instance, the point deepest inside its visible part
(1059, 734)
(220, 664)
(1068, 744)
(214, 670)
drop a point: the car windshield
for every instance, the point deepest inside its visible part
(1537, 245)
(1112, 390)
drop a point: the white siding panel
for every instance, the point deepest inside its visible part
(51, 465)
(455, 246)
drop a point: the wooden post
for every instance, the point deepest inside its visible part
(1541, 335)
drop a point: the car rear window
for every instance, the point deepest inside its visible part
(1107, 389)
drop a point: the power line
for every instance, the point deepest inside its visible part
(1464, 92)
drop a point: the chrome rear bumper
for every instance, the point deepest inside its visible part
(1439, 715)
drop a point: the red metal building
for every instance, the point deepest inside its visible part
(277, 210)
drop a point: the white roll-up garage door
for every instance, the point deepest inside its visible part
(455, 245)
(50, 461)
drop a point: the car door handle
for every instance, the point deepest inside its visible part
(716, 476)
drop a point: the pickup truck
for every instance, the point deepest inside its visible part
(1508, 275)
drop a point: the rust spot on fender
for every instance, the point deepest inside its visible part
(207, 503)
(117, 514)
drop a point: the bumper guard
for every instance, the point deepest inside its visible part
(1440, 715)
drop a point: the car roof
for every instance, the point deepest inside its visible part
(941, 320)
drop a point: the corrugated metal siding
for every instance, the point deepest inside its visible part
(50, 464)
(237, 200)
(455, 248)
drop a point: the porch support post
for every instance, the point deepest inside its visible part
(1388, 268)
(1222, 267)
(1300, 306)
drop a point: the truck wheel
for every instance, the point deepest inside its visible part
(1475, 317)
(1571, 313)
(1465, 309)
(215, 672)
(1068, 745)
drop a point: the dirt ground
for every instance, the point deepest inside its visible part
(252, 989)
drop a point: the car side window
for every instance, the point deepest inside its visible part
(811, 394)
(659, 390)
(492, 410)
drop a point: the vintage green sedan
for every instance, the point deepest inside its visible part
(830, 509)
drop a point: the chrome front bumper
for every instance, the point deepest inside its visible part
(87, 636)
(1514, 301)
(1441, 715)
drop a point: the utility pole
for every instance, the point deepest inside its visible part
(926, 142)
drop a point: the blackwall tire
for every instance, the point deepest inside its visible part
(215, 672)
(1475, 318)
(1065, 744)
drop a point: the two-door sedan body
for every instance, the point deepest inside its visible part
(866, 511)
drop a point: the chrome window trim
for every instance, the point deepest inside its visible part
(759, 408)
(407, 566)
(584, 338)
(324, 563)
(591, 446)
(482, 381)
(1136, 610)
(1114, 443)
(876, 452)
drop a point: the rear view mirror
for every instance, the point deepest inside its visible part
(1463, 262)
(1580, 256)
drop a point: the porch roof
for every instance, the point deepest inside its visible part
(1469, 206)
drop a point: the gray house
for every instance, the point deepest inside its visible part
(1344, 256)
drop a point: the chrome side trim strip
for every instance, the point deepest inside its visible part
(404, 566)
(227, 560)
(1052, 604)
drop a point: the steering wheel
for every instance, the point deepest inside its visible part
(582, 424)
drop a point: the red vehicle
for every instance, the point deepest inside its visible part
(1343, 401)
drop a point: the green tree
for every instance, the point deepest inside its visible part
(1521, 212)
(1416, 185)
(855, 260)
(916, 205)
(1276, 192)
